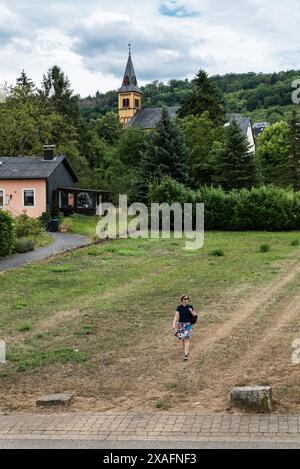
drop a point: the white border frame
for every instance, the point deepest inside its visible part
(34, 195)
(2, 207)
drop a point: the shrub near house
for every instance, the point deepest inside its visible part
(7, 234)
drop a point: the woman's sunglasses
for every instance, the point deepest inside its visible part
(186, 299)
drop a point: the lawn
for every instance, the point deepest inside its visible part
(97, 323)
(84, 225)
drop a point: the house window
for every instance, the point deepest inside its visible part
(1, 199)
(28, 197)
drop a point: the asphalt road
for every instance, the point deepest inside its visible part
(176, 445)
(61, 242)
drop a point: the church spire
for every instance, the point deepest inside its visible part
(129, 95)
(129, 81)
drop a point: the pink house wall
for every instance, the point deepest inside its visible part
(13, 196)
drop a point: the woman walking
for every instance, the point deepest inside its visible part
(183, 324)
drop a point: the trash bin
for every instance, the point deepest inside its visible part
(54, 225)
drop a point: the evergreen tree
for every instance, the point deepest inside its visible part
(206, 96)
(236, 167)
(292, 167)
(201, 137)
(25, 83)
(165, 154)
(56, 93)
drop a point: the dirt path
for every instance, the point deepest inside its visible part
(228, 354)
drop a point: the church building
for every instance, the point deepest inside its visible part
(132, 114)
(130, 99)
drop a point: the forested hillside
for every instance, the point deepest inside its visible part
(264, 97)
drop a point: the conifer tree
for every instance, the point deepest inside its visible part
(57, 94)
(236, 167)
(165, 154)
(25, 83)
(206, 97)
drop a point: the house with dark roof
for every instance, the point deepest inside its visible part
(33, 184)
(259, 128)
(246, 128)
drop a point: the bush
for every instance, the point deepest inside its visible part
(265, 248)
(26, 226)
(55, 210)
(265, 208)
(170, 191)
(24, 245)
(217, 253)
(7, 234)
(295, 242)
(45, 219)
(26, 327)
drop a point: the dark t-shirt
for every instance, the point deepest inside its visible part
(185, 315)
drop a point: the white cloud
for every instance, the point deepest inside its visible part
(89, 39)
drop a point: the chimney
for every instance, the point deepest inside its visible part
(49, 152)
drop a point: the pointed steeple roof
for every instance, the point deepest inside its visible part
(129, 81)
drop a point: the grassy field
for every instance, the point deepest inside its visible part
(98, 323)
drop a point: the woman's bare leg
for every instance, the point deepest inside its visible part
(186, 347)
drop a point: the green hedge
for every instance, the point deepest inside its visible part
(23, 245)
(7, 234)
(266, 208)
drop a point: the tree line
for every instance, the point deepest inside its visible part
(261, 96)
(196, 150)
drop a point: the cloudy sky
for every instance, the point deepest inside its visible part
(170, 38)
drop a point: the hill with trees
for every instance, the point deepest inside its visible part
(262, 96)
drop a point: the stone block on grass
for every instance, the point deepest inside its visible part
(55, 400)
(253, 398)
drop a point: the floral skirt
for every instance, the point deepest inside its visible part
(184, 331)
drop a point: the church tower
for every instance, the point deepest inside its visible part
(129, 95)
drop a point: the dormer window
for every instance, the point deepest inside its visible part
(126, 80)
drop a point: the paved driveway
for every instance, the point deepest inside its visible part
(61, 242)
